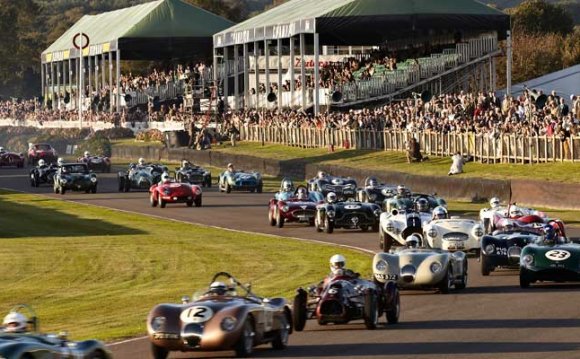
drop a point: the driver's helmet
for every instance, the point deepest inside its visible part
(218, 288)
(413, 241)
(401, 190)
(422, 205)
(550, 234)
(321, 175)
(2, 149)
(15, 322)
(373, 182)
(230, 167)
(331, 197)
(337, 264)
(516, 212)
(440, 213)
(165, 176)
(287, 186)
(301, 194)
(141, 161)
(494, 202)
(87, 154)
(60, 161)
(185, 164)
(41, 163)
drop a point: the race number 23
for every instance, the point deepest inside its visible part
(558, 255)
(196, 315)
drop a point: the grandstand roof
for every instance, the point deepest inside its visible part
(142, 27)
(346, 21)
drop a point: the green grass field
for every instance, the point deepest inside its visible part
(97, 272)
(396, 161)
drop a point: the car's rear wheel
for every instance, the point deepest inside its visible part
(485, 267)
(61, 190)
(197, 201)
(121, 184)
(299, 310)
(271, 218)
(245, 343)
(159, 352)
(463, 281)
(97, 354)
(524, 279)
(281, 337)
(152, 200)
(371, 313)
(279, 219)
(94, 189)
(260, 188)
(161, 202)
(446, 282)
(228, 188)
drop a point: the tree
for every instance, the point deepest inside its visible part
(541, 17)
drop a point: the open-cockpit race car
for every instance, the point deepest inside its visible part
(293, 205)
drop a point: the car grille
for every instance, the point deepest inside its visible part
(455, 236)
(331, 307)
(303, 213)
(361, 216)
(196, 178)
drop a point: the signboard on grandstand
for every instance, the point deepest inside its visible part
(324, 61)
(272, 32)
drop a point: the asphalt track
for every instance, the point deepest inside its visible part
(491, 318)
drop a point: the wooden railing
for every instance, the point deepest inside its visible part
(483, 148)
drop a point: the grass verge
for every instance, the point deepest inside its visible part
(97, 272)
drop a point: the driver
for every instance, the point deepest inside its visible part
(165, 178)
(301, 194)
(413, 241)
(321, 175)
(402, 192)
(338, 269)
(440, 213)
(185, 165)
(422, 205)
(41, 164)
(494, 203)
(287, 186)
(15, 322)
(218, 288)
(141, 162)
(60, 162)
(331, 197)
(2, 150)
(231, 168)
(515, 212)
(373, 182)
(87, 154)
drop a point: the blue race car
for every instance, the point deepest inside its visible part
(232, 180)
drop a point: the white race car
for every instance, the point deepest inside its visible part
(454, 234)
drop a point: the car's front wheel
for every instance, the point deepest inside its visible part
(371, 311)
(159, 352)
(279, 219)
(160, 202)
(152, 200)
(328, 226)
(245, 344)
(197, 201)
(94, 189)
(281, 337)
(228, 188)
(300, 310)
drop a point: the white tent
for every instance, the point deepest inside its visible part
(565, 82)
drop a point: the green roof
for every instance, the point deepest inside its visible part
(156, 19)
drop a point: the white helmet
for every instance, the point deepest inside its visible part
(331, 197)
(301, 194)
(422, 205)
(185, 163)
(218, 288)
(494, 202)
(440, 213)
(373, 182)
(165, 176)
(516, 211)
(287, 186)
(141, 161)
(15, 323)
(41, 162)
(413, 241)
(337, 264)
(1, 149)
(401, 190)
(60, 161)
(87, 154)
(321, 174)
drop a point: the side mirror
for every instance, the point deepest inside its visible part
(185, 299)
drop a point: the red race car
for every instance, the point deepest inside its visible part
(174, 192)
(8, 158)
(41, 151)
(298, 206)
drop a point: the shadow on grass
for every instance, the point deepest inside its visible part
(20, 220)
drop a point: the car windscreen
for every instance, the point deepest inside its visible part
(43, 147)
(74, 169)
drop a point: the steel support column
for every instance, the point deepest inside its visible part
(291, 68)
(279, 94)
(303, 70)
(316, 74)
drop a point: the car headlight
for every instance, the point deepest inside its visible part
(528, 259)
(93, 179)
(228, 324)
(435, 267)
(478, 231)
(488, 249)
(372, 197)
(330, 214)
(432, 233)
(285, 208)
(157, 323)
(381, 266)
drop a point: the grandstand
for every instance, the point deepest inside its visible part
(294, 42)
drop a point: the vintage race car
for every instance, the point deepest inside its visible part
(492, 217)
(553, 261)
(11, 159)
(44, 174)
(347, 215)
(140, 177)
(292, 209)
(41, 151)
(395, 226)
(422, 268)
(97, 163)
(342, 299)
(74, 177)
(343, 187)
(220, 319)
(375, 192)
(37, 345)
(503, 248)
(240, 181)
(454, 234)
(174, 192)
(193, 175)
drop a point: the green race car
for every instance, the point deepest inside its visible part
(552, 257)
